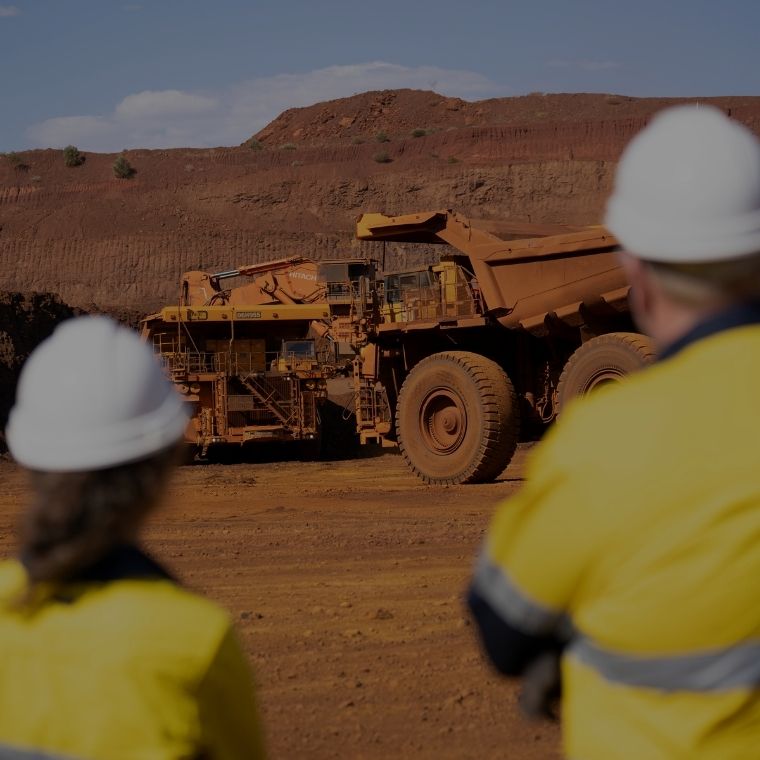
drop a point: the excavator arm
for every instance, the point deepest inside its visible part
(289, 281)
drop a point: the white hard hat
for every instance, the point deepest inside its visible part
(687, 189)
(92, 396)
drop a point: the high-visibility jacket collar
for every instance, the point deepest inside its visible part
(123, 562)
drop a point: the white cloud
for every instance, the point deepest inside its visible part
(147, 119)
(173, 118)
(6, 11)
(152, 104)
(67, 130)
(583, 65)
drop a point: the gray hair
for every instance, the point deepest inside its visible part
(717, 282)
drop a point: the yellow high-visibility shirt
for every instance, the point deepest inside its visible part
(639, 523)
(129, 669)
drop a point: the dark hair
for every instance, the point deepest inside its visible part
(75, 518)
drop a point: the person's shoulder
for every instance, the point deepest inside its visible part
(634, 399)
(175, 598)
(12, 579)
(165, 606)
(665, 391)
(610, 421)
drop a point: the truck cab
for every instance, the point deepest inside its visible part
(446, 289)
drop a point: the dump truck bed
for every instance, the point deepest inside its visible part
(524, 281)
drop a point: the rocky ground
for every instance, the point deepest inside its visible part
(346, 581)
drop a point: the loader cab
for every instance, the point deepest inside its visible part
(350, 288)
(299, 356)
(347, 281)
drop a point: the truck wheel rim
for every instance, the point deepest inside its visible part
(442, 421)
(603, 377)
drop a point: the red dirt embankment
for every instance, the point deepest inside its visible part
(120, 245)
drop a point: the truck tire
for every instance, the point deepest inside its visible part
(601, 360)
(457, 419)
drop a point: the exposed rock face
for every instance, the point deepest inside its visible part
(25, 321)
(120, 245)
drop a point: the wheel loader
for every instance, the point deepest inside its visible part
(465, 357)
(252, 349)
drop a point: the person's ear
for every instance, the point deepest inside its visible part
(641, 296)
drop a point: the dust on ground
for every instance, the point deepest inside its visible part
(346, 582)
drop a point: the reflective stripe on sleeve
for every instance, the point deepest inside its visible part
(736, 667)
(15, 753)
(509, 602)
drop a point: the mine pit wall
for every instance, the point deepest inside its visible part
(120, 246)
(258, 217)
(25, 321)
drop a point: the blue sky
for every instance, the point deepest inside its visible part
(168, 73)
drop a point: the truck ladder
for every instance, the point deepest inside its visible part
(371, 409)
(267, 396)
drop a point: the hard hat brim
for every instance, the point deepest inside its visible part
(36, 446)
(699, 242)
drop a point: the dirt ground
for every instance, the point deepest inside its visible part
(346, 581)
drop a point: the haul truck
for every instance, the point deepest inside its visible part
(252, 349)
(490, 343)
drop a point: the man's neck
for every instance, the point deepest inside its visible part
(674, 321)
(713, 322)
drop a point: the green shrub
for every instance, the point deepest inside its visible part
(382, 158)
(453, 160)
(418, 132)
(122, 168)
(72, 156)
(288, 146)
(357, 140)
(255, 144)
(381, 137)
